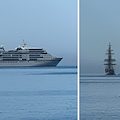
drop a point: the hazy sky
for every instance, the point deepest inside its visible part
(50, 24)
(100, 24)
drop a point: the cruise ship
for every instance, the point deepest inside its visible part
(24, 56)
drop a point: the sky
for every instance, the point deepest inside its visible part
(99, 25)
(48, 24)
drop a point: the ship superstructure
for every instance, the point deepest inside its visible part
(24, 56)
(109, 62)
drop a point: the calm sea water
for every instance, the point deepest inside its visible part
(99, 97)
(38, 93)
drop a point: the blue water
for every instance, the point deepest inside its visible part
(99, 97)
(38, 93)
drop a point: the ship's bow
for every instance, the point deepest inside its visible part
(56, 61)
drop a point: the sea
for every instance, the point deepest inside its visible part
(38, 93)
(99, 97)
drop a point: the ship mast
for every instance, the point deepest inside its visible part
(109, 61)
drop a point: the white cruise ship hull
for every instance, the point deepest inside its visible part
(24, 56)
(27, 63)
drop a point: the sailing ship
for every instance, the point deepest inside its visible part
(109, 62)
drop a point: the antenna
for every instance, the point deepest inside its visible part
(24, 44)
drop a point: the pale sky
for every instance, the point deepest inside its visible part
(99, 25)
(49, 24)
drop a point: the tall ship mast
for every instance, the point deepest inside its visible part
(109, 62)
